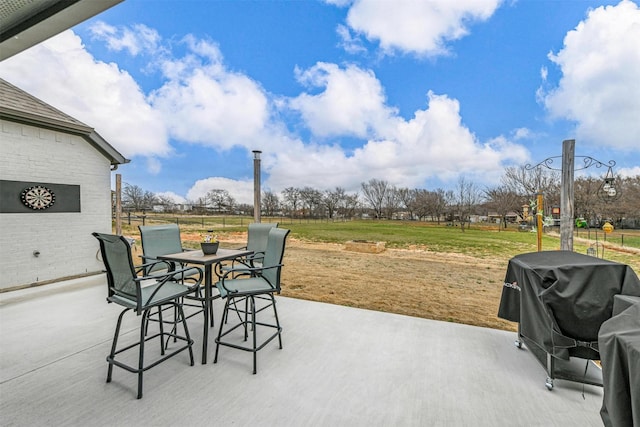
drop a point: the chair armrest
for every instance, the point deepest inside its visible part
(146, 265)
(171, 274)
(162, 279)
(247, 260)
(255, 255)
(252, 271)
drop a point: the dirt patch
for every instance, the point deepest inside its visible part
(440, 286)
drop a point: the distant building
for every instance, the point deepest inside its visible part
(511, 217)
(55, 190)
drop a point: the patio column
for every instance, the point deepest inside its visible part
(257, 204)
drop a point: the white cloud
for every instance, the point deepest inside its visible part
(62, 73)
(434, 143)
(544, 73)
(420, 27)
(352, 103)
(202, 102)
(521, 133)
(139, 38)
(154, 167)
(240, 190)
(176, 198)
(628, 172)
(600, 87)
(199, 102)
(350, 43)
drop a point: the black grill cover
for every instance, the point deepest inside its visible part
(619, 341)
(561, 298)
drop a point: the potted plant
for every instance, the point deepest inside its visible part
(209, 244)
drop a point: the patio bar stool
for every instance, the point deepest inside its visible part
(130, 288)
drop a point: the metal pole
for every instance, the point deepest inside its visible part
(118, 204)
(566, 195)
(539, 213)
(256, 186)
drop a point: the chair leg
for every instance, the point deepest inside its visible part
(180, 312)
(246, 317)
(174, 329)
(143, 338)
(146, 325)
(225, 313)
(246, 323)
(114, 344)
(253, 326)
(275, 312)
(145, 315)
(235, 307)
(161, 324)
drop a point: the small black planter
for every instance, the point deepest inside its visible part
(209, 248)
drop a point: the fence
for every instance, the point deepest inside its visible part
(212, 222)
(618, 238)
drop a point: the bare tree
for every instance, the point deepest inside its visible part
(291, 196)
(408, 199)
(585, 199)
(244, 209)
(439, 201)
(391, 202)
(420, 204)
(348, 206)
(134, 197)
(503, 200)
(311, 199)
(374, 193)
(167, 202)
(467, 197)
(531, 181)
(220, 200)
(332, 200)
(270, 203)
(630, 202)
(429, 203)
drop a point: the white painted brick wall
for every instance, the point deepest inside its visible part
(63, 239)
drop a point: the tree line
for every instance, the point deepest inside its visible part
(376, 198)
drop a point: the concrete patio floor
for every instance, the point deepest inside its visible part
(339, 366)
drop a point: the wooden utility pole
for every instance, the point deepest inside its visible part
(566, 195)
(118, 204)
(539, 214)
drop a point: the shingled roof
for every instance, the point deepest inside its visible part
(18, 106)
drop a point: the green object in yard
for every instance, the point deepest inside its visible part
(581, 223)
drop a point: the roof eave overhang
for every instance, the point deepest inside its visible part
(57, 17)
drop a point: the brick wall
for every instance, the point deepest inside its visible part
(64, 240)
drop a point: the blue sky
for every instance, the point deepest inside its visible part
(338, 92)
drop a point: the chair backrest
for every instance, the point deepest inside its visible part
(159, 240)
(116, 255)
(273, 255)
(258, 235)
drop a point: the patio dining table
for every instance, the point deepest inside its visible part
(209, 262)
